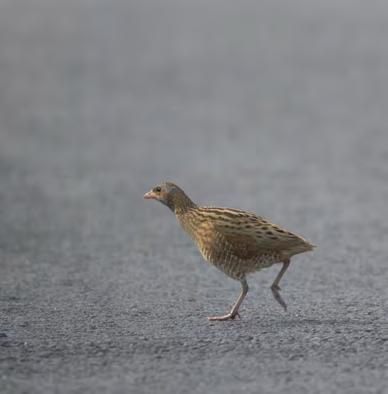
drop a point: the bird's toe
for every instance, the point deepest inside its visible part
(229, 316)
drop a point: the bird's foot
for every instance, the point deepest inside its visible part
(229, 316)
(275, 291)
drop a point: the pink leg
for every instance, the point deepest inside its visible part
(275, 285)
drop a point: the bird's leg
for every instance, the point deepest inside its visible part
(275, 285)
(234, 312)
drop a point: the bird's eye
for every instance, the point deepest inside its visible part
(157, 189)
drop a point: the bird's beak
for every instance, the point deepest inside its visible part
(150, 195)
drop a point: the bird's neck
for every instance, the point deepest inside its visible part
(188, 218)
(180, 203)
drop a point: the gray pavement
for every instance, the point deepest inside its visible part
(277, 107)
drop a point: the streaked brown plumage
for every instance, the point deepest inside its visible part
(235, 241)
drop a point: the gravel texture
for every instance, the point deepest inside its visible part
(277, 107)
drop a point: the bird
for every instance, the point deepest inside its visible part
(235, 241)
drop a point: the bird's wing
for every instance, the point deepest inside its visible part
(241, 245)
(248, 240)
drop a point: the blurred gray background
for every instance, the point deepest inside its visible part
(277, 107)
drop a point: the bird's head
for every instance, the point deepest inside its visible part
(169, 194)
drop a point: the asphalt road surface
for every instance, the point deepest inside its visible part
(277, 107)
